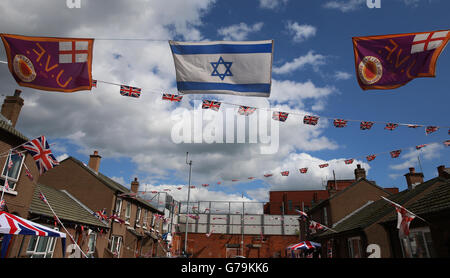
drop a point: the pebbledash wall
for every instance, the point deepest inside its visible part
(221, 235)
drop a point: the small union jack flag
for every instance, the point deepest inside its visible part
(285, 173)
(192, 186)
(395, 154)
(310, 120)
(205, 185)
(94, 83)
(391, 126)
(179, 188)
(170, 97)
(447, 143)
(246, 110)
(340, 123)
(234, 180)
(431, 129)
(371, 157)
(129, 91)
(166, 189)
(10, 164)
(268, 175)
(251, 178)
(303, 170)
(420, 146)
(280, 116)
(349, 161)
(41, 153)
(366, 125)
(323, 165)
(209, 104)
(2, 205)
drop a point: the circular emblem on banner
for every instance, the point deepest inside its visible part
(370, 70)
(24, 68)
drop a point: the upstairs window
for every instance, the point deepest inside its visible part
(13, 172)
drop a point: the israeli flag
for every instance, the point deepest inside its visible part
(223, 67)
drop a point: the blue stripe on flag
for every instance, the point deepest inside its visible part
(221, 49)
(200, 86)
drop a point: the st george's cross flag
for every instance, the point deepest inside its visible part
(391, 61)
(50, 64)
(41, 153)
(129, 91)
(223, 67)
(404, 218)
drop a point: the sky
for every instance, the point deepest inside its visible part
(313, 72)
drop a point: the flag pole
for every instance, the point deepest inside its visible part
(187, 212)
(405, 209)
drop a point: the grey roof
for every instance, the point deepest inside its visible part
(5, 125)
(380, 208)
(65, 207)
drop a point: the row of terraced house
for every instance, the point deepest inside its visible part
(78, 194)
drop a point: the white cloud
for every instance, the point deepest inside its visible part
(344, 6)
(120, 180)
(62, 157)
(239, 32)
(272, 4)
(301, 32)
(311, 58)
(341, 75)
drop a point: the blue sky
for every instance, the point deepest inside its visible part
(313, 72)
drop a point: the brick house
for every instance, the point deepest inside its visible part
(136, 232)
(373, 223)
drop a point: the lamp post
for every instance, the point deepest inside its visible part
(187, 213)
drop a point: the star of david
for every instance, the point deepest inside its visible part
(215, 66)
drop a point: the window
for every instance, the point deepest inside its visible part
(144, 220)
(289, 204)
(116, 244)
(128, 213)
(418, 244)
(41, 247)
(138, 216)
(118, 208)
(91, 244)
(14, 172)
(354, 247)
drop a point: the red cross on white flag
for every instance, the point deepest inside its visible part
(428, 41)
(73, 52)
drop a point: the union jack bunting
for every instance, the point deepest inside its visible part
(251, 178)
(129, 91)
(179, 188)
(371, 157)
(2, 205)
(310, 120)
(349, 161)
(41, 153)
(268, 175)
(391, 126)
(10, 163)
(6, 185)
(28, 174)
(246, 110)
(431, 129)
(323, 165)
(234, 180)
(447, 143)
(395, 154)
(205, 185)
(42, 197)
(303, 170)
(280, 116)
(420, 146)
(167, 189)
(366, 125)
(94, 83)
(285, 173)
(101, 214)
(340, 123)
(209, 104)
(170, 97)
(192, 186)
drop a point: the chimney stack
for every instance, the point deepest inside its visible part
(413, 178)
(442, 173)
(135, 185)
(360, 173)
(94, 161)
(11, 107)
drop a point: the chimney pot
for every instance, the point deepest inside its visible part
(17, 92)
(94, 161)
(135, 185)
(12, 105)
(360, 173)
(413, 178)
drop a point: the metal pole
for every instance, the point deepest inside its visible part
(187, 213)
(242, 225)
